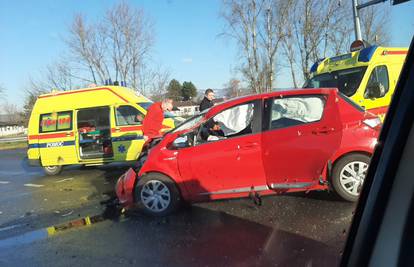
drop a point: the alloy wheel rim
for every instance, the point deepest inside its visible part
(352, 177)
(155, 196)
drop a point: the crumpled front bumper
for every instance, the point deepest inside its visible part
(125, 188)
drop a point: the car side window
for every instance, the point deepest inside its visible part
(128, 115)
(232, 122)
(378, 83)
(52, 122)
(291, 111)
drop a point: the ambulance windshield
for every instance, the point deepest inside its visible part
(347, 81)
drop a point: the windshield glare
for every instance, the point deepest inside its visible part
(347, 81)
(191, 122)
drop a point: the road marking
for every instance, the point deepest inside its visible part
(4, 182)
(67, 214)
(33, 185)
(64, 180)
(10, 227)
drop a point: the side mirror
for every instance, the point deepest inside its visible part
(181, 142)
(375, 90)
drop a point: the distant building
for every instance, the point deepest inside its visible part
(190, 108)
(9, 126)
(185, 108)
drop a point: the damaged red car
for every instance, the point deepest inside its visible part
(272, 143)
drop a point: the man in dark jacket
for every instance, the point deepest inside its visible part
(207, 101)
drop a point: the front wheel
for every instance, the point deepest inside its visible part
(158, 194)
(348, 176)
(53, 170)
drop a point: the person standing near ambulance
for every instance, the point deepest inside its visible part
(152, 124)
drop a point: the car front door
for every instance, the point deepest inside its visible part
(301, 134)
(230, 165)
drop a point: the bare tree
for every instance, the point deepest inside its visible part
(232, 88)
(115, 48)
(242, 24)
(12, 112)
(272, 35)
(153, 81)
(373, 21)
(2, 94)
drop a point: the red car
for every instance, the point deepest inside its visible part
(272, 143)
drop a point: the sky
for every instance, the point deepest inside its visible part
(187, 38)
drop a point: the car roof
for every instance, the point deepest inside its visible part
(281, 93)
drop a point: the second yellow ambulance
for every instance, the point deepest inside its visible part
(367, 76)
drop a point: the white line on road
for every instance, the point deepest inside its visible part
(4, 182)
(10, 227)
(34, 185)
(64, 180)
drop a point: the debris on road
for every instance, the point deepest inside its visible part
(4, 182)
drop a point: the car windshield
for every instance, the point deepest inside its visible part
(191, 122)
(347, 81)
(145, 105)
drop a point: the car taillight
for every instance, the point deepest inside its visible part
(374, 123)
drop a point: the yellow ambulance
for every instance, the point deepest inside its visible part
(367, 76)
(91, 126)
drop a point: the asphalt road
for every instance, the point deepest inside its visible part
(298, 229)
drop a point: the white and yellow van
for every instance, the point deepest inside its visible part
(90, 126)
(367, 76)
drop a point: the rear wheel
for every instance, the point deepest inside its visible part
(158, 194)
(53, 170)
(348, 176)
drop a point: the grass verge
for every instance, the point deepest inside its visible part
(13, 145)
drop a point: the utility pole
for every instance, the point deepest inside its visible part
(356, 7)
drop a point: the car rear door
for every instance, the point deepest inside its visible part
(300, 134)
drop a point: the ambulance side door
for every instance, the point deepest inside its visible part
(126, 132)
(377, 94)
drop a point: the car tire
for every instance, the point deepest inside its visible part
(348, 175)
(157, 194)
(53, 170)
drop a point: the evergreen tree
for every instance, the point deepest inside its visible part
(189, 91)
(174, 90)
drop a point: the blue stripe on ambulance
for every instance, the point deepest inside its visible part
(52, 144)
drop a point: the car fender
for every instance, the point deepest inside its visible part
(164, 161)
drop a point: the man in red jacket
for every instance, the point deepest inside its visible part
(152, 124)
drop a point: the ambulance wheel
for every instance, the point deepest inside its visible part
(348, 176)
(158, 194)
(53, 170)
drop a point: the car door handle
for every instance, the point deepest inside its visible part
(117, 129)
(322, 130)
(69, 134)
(250, 145)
